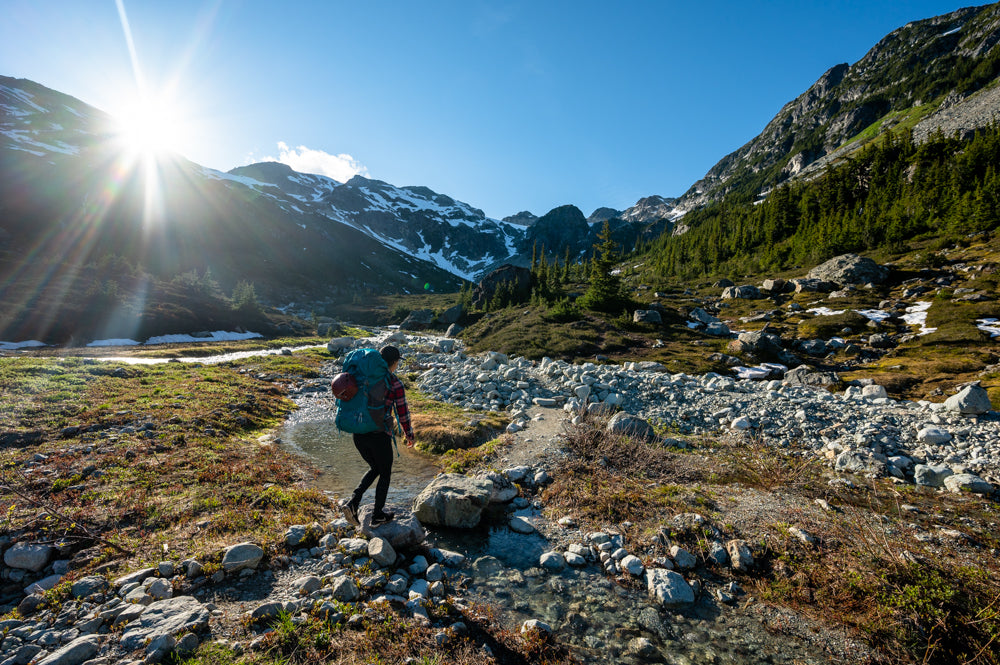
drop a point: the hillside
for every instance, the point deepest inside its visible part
(928, 74)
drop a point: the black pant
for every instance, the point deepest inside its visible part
(376, 449)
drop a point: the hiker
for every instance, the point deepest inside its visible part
(376, 447)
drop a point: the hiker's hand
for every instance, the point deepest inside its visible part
(410, 441)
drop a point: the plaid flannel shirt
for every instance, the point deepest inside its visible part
(395, 398)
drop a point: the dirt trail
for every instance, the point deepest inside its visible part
(538, 446)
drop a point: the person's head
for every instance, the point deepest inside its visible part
(391, 356)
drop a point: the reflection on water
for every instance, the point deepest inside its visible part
(333, 452)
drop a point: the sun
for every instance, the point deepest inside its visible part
(150, 127)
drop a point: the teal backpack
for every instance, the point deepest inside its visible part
(365, 412)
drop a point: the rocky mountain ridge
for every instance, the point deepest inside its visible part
(929, 74)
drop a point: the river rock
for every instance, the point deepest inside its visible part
(970, 400)
(78, 651)
(967, 482)
(874, 392)
(535, 626)
(626, 424)
(740, 557)
(553, 561)
(521, 525)
(850, 269)
(403, 532)
(242, 556)
(28, 556)
(166, 617)
(668, 588)
(931, 475)
(381, 552)
(453, 500)
(933, 436)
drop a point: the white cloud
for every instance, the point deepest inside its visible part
(340, 167)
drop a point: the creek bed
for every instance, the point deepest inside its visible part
(594, 615)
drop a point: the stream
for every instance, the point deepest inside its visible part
(598, 618)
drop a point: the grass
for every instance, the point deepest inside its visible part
(441, 427)
(158, 455)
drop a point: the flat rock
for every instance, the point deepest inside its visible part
(403, 532)
(166, 617)
(78, 651)
(521, 525)
(967, 482)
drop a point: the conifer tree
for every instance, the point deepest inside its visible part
(605, 291)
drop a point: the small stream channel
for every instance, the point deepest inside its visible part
(589, 612)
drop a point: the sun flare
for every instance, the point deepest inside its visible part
(150, 128)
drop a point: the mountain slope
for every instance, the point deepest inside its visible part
(938, 72)
(415, 220)
(84, 222)
(910, 73)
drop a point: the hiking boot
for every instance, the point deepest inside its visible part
(350, 512)
(382, 518)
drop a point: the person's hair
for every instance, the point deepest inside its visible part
(390, 354)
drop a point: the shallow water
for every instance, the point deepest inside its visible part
(333, 452)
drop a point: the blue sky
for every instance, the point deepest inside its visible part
(507, 106)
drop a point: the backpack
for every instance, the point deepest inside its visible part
(365, 412)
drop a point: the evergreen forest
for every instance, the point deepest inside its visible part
(886, 195)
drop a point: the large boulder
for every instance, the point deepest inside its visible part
(451, 315)
(972, 400)
(519, 278)
(646, 316)
(850, 269)
(419, 319)
(745, 292)
(759, 344)
(453, 500)
(632, 426)
(28, 556)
